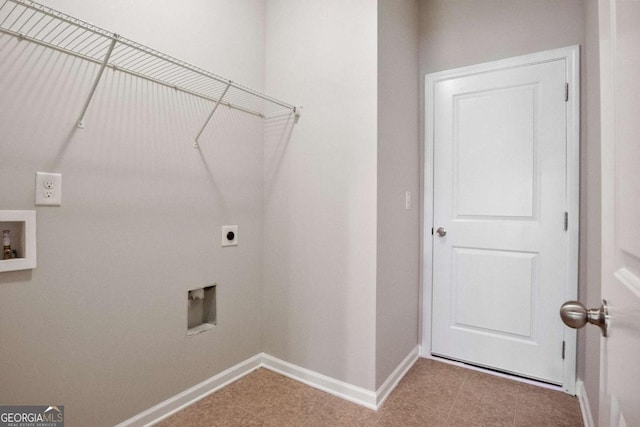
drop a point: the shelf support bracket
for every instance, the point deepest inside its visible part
(215, 107)
(105, 61)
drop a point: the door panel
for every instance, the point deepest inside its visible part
(475, 284)
(620, 68)
(500, 272)
(486, 152)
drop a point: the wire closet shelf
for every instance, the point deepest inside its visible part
(28, 20)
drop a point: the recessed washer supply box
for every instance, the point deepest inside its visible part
(22, 227)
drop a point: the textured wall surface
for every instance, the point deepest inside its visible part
(99, 326)
(320, 197)
(398, 258)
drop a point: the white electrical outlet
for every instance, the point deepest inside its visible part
(48, 189)
(229, 235)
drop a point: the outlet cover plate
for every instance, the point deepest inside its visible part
(48, 189)
(227, 231)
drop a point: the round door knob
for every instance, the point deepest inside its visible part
(575, 315)
(441, 232)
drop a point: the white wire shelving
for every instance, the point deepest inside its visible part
(36, 23)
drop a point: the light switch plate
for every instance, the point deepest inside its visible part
(48, 189)
(229, 235)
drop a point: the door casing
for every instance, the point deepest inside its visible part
(571, 55)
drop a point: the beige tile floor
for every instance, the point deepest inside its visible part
(431, 394)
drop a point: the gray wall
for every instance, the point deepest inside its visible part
(102, 319)
(340, 286)
(455, 33)
(319, 279)
(321, 189)
(589, 338)
(398, 263)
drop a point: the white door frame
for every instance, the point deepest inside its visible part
(571, 55)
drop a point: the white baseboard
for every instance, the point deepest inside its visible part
(359, 395)
(346, 391)
(585, 408)
(199, 391)
(350, 392)
(394, 378)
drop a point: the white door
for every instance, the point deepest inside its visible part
(500, 194)
(620, 96)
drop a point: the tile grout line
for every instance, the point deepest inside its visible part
(515, 409)
(285, 386)
(243, 408)
(227, 388)
(325, 404)
(466, 376)
(257, 416)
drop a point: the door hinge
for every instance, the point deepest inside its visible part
(563, 347)
(566, 92)
(566, 221)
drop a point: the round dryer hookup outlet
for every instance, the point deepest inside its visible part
(229, 235)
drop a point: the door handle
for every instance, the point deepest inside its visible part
(575, 315)
(441, 232)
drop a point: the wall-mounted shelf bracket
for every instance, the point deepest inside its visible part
(215, 107)
(105, 61)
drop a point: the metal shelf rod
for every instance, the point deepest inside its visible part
(196, 142)
(64, 33)
(204, 73)
(34, 25)
(133, 73)
(96, 81)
